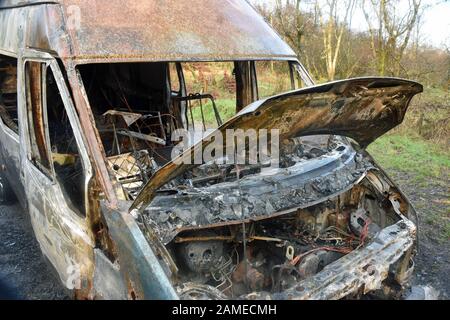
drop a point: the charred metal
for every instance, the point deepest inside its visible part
(87, 116)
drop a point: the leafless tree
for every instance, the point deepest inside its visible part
(390, 31)
(321, 33)
(333, 29)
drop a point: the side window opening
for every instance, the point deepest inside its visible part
(131, 104)
(40, 155)
(8, 92)
(211, 94)
(64, 149)
(274, 77)
(48, 118)
(175, 85)
(138, 106)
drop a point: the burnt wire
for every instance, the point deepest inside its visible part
(244, 235)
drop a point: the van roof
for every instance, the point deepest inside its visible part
(155, 30)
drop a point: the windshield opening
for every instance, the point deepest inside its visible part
(138, 106)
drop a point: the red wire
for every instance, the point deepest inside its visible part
(345, 250)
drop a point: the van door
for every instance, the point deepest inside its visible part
(55, 169)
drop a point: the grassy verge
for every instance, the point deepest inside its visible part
(426, 166)
(226, 108)
(422, 159)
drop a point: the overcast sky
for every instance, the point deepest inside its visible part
(436, 21)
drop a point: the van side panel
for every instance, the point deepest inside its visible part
(11, 21)
(10, 158)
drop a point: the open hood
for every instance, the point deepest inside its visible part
(362, 109)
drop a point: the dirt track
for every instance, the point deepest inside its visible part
(433, 259)
(22, 264)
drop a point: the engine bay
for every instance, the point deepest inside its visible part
(274, 254)
(231, 234)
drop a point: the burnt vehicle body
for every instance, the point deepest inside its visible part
(88, 107)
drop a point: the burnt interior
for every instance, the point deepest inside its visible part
(133, 110)
(135, 89)
(8, 92)
(54, 149)
(137, 107)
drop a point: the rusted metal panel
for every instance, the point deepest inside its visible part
(149, 30)
(173, 30)
(64, 236)
(107, 279)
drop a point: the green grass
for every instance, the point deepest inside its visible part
(425, 164)
(447, 230)
(270, 88)
(440, 222)
(435, 96)
(414, 155)
(226, 108)
(429, 117)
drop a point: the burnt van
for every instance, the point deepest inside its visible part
(92, 94)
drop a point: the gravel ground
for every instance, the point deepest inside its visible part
(23, 267)
(432, 204)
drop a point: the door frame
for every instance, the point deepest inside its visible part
(69, 232)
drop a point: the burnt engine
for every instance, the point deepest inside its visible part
(233, 232)
(273, 254)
